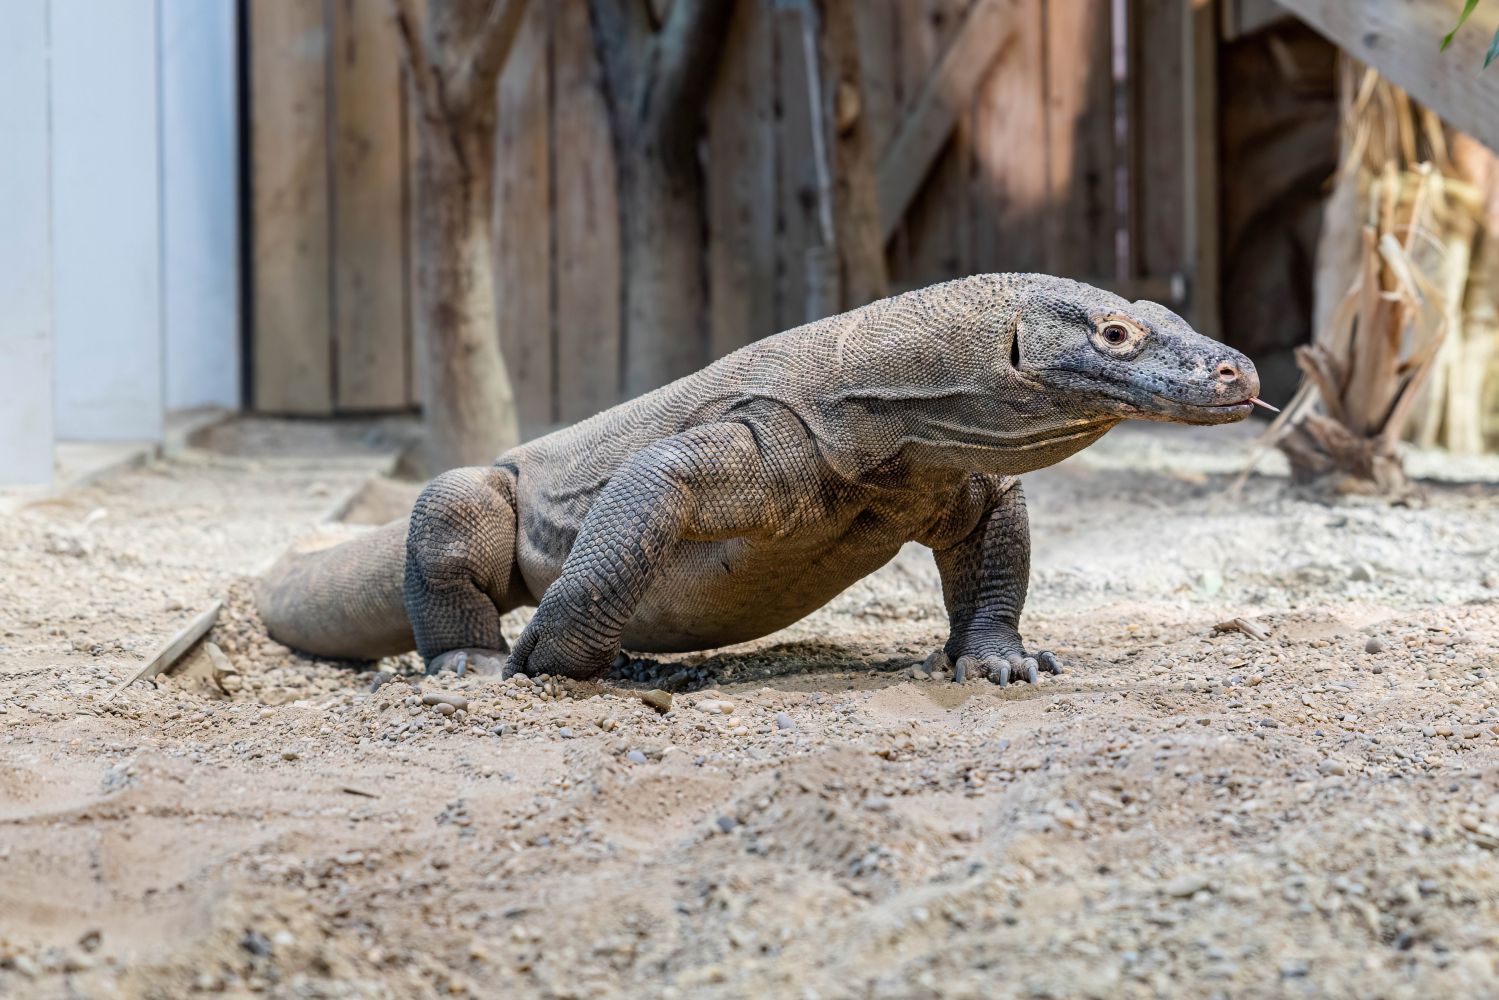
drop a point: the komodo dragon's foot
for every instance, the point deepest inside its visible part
(486, 662)
(999, 662)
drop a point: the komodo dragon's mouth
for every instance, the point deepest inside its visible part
(1164, 408)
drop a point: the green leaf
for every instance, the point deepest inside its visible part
(1493, 52)
(1467, 9)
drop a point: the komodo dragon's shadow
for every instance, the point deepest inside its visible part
(750, 666)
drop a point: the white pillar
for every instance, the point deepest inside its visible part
(106, 219)
(25, 249)
(200, 203)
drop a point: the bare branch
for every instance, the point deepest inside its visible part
(407, 25)
(473, 78)
(683, 58)
(621, 33)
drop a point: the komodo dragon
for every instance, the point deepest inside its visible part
(739, 499)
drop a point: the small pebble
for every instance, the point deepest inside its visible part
(657, 699)
(440, 698)
(784, 721)
(290, 755)
(1373, 645)
(636, 757)
(727, 823)
(566, 733)
(1187, 886)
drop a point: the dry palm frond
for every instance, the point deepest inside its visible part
(1389, 357)
(1374, 357)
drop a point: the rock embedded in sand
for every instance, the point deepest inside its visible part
(657, 699)
(1373, 645)
(442, 698)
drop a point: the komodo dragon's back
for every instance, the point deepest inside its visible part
(741, 497)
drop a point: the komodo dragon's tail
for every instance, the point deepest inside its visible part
(343, 601)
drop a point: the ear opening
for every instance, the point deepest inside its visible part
(1015, 348)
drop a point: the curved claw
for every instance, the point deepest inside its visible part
(972, 666)
(1002, 675)
(938, 660)
(1030, 670)
(1049, 661)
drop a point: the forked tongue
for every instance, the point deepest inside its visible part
(1257, 401)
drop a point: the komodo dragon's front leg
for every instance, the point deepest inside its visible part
(984, 582)
(707, 483)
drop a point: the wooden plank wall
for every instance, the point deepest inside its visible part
(1031, 177)
(328, 171)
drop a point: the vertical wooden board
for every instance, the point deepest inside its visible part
(1009, 194)
(291, 293)
(879, 54)
(1080, 138)
(416, 331)
(932, 243)
(369, 300)
(1159, 151)
(741, 185)
(1200, 124)
(26, 346)
(522, 206)
(587, 222)
(796, 171)
(416, 328)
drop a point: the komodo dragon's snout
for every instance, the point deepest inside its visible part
(738, 500)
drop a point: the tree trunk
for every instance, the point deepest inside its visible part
(662, 226)
(453, 51)
(856, 201)
(657, 80)
(469, 404)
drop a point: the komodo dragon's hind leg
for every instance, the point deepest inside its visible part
(460, 569)
(984, 581)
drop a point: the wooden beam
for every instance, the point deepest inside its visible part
(1200, 125)
(369, 293)
(291, 263)
(943, 97)
(1400, 38)
(1245, 17)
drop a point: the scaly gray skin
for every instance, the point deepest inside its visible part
(738, 500)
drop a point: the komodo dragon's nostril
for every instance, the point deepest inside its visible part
(1227, 373)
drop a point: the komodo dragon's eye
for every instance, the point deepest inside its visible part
(1118, 338)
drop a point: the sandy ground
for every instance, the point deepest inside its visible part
(1182, 813)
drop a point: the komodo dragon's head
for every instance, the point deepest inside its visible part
(1098, 353)
(1008, 373)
